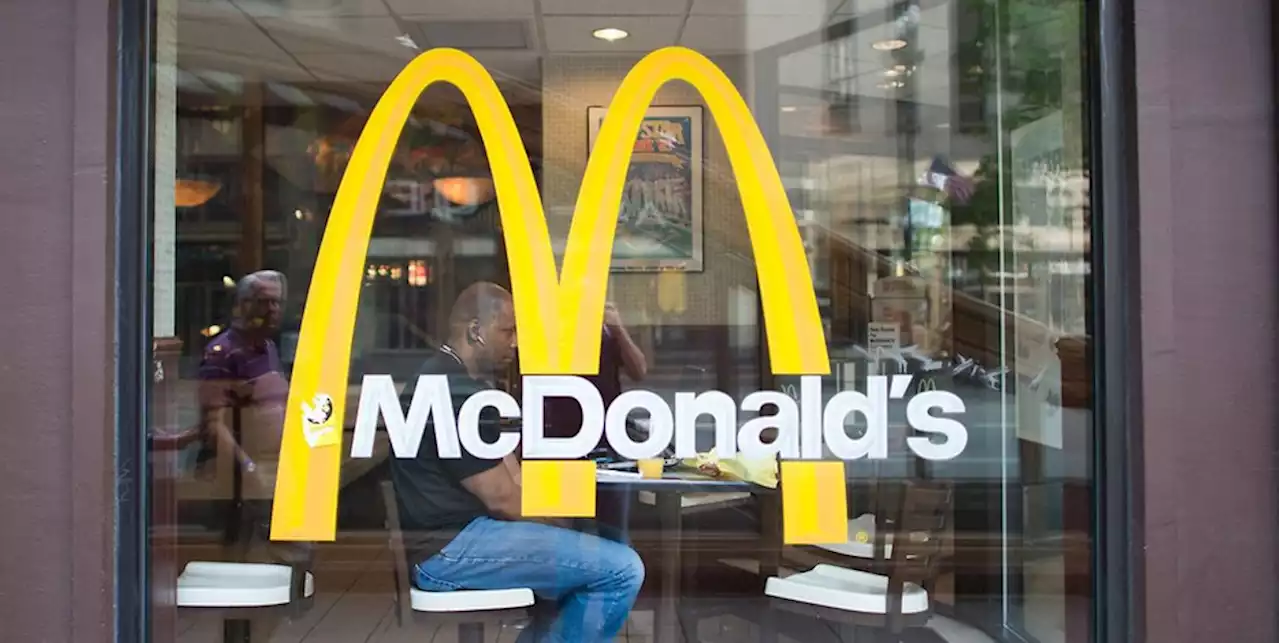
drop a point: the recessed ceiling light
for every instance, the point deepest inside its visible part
(788, 108)
(889, 45)
(406, 40)
(890, 73)
(610, 34)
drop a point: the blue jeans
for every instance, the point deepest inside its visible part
(593, 581)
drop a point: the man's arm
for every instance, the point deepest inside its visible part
(513, 467)
(634, 363)
(218, 423)
(497, 490)
(217, 404)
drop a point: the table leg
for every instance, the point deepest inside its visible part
(770, 536)
(666, 622)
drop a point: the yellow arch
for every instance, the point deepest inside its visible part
(558, 317)
(797, 345)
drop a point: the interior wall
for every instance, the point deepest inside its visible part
(1207, 230)
(57, 472)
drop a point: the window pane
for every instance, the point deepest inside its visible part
(931, 176)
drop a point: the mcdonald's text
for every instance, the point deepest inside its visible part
(808, 429)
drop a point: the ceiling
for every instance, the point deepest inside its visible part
(369, 41)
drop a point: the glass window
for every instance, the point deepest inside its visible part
(930, 235)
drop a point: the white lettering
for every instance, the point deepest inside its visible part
(874, 442)
(536, 444)
(469, 425)
(918, 416)
(805, 430)
(811, 420)
(661, 425)
(378, 398)
(723, 412)
(787, 442)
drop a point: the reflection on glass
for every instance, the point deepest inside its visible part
(934, 157)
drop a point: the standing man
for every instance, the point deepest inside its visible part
(462, 516)
(619, 354)
(243, 394)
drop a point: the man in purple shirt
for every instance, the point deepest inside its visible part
(619, 354)
(243, 394)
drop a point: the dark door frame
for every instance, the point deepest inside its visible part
(133, 154)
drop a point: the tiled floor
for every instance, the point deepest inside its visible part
(353, 604)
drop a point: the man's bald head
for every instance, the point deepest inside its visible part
(482, 325)
(480, 302)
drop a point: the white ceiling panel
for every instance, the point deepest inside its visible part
(615, 7)
(243, 65)
(745, 33)
(217, 9)
(762, 7)
(353, 67)
(464, 9)
(849, 8)
(573, 34)
(311, 8)
(333, 34)
(509, 34)
(522, 66)
(237, 36)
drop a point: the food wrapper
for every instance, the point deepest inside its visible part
(760, 471)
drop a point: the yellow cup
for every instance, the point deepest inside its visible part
(650, 468)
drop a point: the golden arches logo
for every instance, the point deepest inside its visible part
(558, 316)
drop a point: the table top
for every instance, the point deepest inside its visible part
(679, 481)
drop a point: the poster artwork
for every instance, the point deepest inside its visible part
(660, 215)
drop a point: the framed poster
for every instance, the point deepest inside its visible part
(660, 216)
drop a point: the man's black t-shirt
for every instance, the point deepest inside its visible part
(434, 506)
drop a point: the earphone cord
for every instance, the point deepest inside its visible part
(448, 350)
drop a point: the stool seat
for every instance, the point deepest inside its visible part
(220, 584)
(468, 600)
(846, 589)
(862, 538)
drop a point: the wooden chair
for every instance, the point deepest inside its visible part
(876, 603)
(468, 610)
(871, 533)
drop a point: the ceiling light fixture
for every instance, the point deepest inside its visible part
(788, 108)
(465, 190)
(190, 193)
(892, 44)
(610, 34)
(407, 41)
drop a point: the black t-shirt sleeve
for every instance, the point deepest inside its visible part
(468, 465)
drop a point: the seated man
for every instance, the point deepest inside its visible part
(462, 518)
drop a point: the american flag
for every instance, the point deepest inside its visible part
(940, 175)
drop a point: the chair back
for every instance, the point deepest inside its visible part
(925, 511)
(399, 559)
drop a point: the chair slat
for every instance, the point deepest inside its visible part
(399, 559)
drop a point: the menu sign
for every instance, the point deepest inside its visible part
(902, 302)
